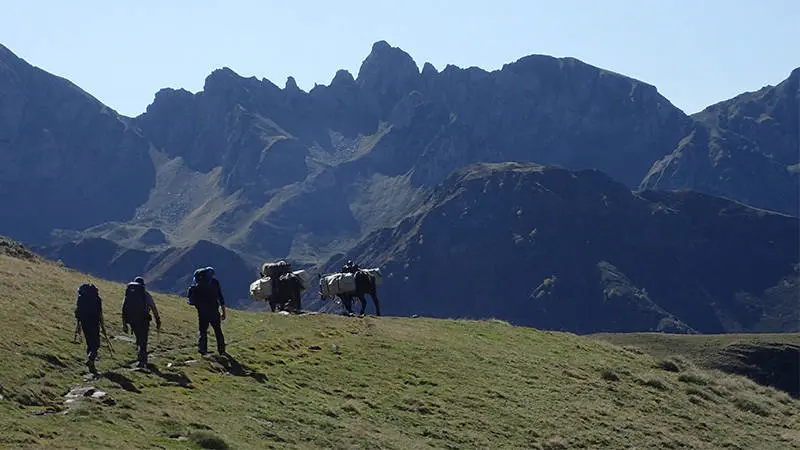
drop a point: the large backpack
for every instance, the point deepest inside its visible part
(134, 307)
(88, 306)
(204, 292)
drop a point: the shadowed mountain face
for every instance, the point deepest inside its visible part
(66, 160)
(578, 251)
(246, 171)
(746, 148)
(169, 270)
(341, 150)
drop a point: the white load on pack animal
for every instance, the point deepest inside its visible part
(340, 283)
(261, 289)
(337, 283)
(305, 278)
(376, 273)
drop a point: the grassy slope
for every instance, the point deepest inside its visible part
(329, 381)
(771, 357)
(704, 350)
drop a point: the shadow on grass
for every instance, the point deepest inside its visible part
(238, 369)
(123, 381)
(179, 379)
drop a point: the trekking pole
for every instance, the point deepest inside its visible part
(77, 337)
(108, 341)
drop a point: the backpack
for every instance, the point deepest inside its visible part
(204, 292)
(88, 306)
(202, 276)
(134, 307)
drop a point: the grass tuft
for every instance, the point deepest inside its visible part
(748, 402)
(207, 439)
(670, 365)
(653, 382)
(694, 377)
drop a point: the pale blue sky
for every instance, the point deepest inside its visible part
(695, 52)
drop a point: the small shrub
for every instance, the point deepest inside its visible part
(750, 404)
(207, 439)
(670, 365)
(610, 375)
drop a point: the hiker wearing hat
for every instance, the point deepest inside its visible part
(136, 312)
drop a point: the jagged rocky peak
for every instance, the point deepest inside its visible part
(428, 70)
(343, 78)
(221, 79)
(386, 76)
(291, 85)
(387, 62)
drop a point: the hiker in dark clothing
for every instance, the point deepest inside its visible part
(89, 314)
(350, 267)
(206, 296)
(136, 311)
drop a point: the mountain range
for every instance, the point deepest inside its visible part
(246, 171)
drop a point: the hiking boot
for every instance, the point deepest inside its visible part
(91, 366)
(141, 365)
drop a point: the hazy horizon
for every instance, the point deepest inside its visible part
(695, 54)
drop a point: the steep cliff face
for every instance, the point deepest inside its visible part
(66, 160)
(746, 148)
(578, 251)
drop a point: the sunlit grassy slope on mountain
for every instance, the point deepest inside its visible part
(769, 359)
(329, 381)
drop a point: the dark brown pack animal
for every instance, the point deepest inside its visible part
(365, 284)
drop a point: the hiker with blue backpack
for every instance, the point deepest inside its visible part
(205, 294)
(136, 308)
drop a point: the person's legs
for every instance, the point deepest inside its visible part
(91, 332)
(141, 331)
(202, 341)
(216, 323)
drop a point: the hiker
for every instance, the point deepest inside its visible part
(205, 294)
(136, 309)
(89, 317)
(350, 267)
